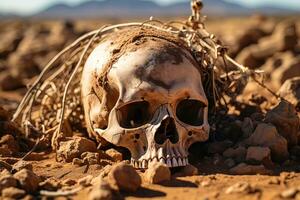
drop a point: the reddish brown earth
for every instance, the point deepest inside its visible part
(269, 44)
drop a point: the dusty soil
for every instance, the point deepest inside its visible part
(227, 166)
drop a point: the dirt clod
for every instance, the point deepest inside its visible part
(245, 169)
(73, 148)
(7, 181)
(124, 177)
(114, 155)
(157, 173)
(266, 135)
(28, 180)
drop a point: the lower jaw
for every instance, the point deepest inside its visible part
(170, 162)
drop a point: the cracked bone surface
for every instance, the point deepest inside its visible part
(142, 90)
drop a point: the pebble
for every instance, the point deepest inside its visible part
(101, 191)
(114, 155)
(28, 180)
(68, 150)
(157, 172)
(123, 176)
(241, 187)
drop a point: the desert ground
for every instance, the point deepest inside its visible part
(253, 151)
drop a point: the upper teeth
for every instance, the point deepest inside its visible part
(169, 161)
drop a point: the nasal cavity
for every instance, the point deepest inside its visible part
(166, 131)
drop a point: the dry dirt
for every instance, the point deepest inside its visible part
(253, 153)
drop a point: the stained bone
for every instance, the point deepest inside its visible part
(134, 90)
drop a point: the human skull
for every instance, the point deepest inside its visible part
(142, 89)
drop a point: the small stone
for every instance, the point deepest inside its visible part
(115, 155)
(258, 154)
(68, 150)
(7, 181)
(218, 147)
(124, 177)
(101, 191)
(229, 163)
(247, 127)
(13, 193)
(284, 117)
(157, 172)
(189, 170)
(86, 181)
(289, 193)
(90, 158)
(244, 169)
(28, 180)
(266, 135)
(290, 91)
(9, 143)
(238, 154)
(242, 187)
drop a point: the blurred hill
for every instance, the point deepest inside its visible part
(126, 8)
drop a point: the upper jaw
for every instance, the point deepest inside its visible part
(171, 155)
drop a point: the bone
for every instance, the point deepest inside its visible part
(169, 163)
(174, 162)
(180, 162)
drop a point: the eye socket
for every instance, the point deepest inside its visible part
(134, 115)
(191, 112)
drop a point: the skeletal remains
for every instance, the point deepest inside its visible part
(138, 85)
(153, 102)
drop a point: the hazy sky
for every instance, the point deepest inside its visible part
(31, 6)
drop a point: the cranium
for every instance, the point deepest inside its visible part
(142, 89)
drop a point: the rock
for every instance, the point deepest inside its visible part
(13, 193)
(290, 91)
(124, 177)
(157, 172)
(238, 154)
(241, 187)
(189, 170)
(229, 163)
(90, 158)
(28, 180)
(8, 143)
(68, 150)
(244, 169)
(101, 191)
(284, 117)
(265, 135)
(247, 127)
(218, 147)
(258, 154)
(284, 38)
(9, 82)
(114, 155)
(18, 166)
(7, 181)
(289, 193)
